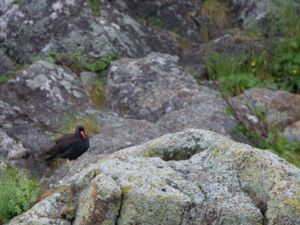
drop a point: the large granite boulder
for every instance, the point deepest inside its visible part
(191, 177)
(156, 88)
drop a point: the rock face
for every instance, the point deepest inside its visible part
(253, 13)
(280, 108)
(40, 26)
(292, 132)
(156, 89)
(38, 101)
(191, 177)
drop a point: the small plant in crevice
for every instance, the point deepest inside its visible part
(4, 78)
(72, 60)
(216, 11)
(97, 93)
(94, 6)
(18, 192)
(78, 64)
(12, 73)
(17, 2)
(156, 22)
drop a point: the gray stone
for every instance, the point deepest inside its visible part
(156, 89)
(9, 148)
(40, 26)
(280, 108)
(292, 132)
(191, 177)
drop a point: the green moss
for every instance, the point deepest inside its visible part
(4, 78)
(78, 64)
(94, 5)
(294, 203)
(152, 153)
(155, 22)
(97, 93)
(72, 61)
(11, 74)
(126, 189)
(18, 192)
(18, 2)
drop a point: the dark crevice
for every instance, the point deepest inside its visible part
(263, 210)
(185, 211)
(120, 209)
(259, 203)
(203, 192)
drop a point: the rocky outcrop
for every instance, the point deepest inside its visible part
(278, 108)
(191, 177)
(253, 14)
(5, 5)
(156, 89)
(40, 26)
(42, 98)
(9, 148)
(292, 132)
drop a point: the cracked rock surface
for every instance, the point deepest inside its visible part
(191, 177)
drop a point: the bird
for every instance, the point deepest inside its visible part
(70, 146)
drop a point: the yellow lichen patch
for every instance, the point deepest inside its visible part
(126, 189)
(68, 212)
(152, 153)
(49, 192)
(294, 202)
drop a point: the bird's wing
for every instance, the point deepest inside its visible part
(61, 146)
(66, 136)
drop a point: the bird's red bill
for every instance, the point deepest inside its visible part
(82, 134)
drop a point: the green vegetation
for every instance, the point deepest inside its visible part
(4, 78)
(79, 64)
(282, 146)
(277, 66)
(17, 192)
(89, 122)
(155, 22)
(12, 73)
(94, 5)
(97, 93)
(18, 2)
(216, 11)
(272, 140)
(232, 76)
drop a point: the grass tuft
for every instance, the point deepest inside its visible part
(18, 192)
(94, 5)
(216, 11)
(90, 124)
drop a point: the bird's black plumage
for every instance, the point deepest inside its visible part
(70, 146)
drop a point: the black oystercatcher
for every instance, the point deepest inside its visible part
(70, 146)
